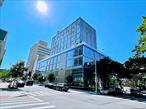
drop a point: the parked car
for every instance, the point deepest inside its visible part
(20, 83)
(112, 91)
(62, 87)
(135, 92)
(49, 85)
(115, 91)
(55, 86)
(29, 82)
(13, 85)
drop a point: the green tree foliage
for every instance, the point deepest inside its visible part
(137, 68)
(136, 65)
(4, 73)
(69, 79)
(41, 78)
(18, 69)
(51, 77)
(112, 80)
(36, 76)
(107, 67)
(140, 49)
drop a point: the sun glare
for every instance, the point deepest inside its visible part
(42, 6)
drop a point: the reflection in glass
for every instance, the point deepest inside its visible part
(88, 52)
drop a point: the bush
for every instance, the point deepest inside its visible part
(51, 77)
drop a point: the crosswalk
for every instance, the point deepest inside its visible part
(27, 102)
(39, 93)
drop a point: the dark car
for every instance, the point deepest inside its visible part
(62, 87)
(135, 92)
(55, 86)
(20, 83)
(49, 85)
(29, 83)
(115, 91)
(13, 85)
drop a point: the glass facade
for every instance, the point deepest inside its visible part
(76, 33)
(74, 61)
(73, 52)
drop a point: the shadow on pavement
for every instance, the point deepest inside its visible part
(140, 98)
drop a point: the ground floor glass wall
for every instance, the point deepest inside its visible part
(78, 62)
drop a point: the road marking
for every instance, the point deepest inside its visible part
(19, 99)
(36, 99)
(18, 102)
(44, 107)
(40, 93)
(23, 105)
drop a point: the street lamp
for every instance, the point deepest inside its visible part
(96, 85)
(96, 76)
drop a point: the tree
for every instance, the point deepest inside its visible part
(140, 49)
(136, 65)
(51, 77)
(41, 78)
(36, 76)
(18, 69)
(4, 73)
(69, 79)
(107, 68)
(137, 69)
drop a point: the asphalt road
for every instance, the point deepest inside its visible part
(38, 97)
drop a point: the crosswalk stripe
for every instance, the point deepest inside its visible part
(13, 103)
(39, 93)
(44, 107)
(16, 100)
(36, 98)
(22, 105)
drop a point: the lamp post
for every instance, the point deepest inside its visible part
(96, 76)
(96, 85)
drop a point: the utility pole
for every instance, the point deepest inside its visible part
(96, 84)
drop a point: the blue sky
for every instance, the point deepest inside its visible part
(115, 23)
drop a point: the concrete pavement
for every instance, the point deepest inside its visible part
(38, 97)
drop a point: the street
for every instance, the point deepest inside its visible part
(39, 97)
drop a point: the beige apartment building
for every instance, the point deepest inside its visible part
(37, 52)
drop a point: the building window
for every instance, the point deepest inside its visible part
(88, 52)
(78, 61)
(78, 51)
(77, 77)
(70, 63)
(70, 54)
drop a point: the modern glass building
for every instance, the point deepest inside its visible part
(73, 52)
